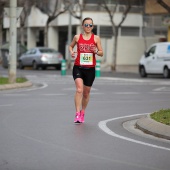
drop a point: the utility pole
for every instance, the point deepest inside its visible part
(13, 41)
(69, 36)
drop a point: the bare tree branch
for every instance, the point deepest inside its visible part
(164, 5)
(128, 7)
(80, 8)
(52, 11)
(105, 6)
(115, 27)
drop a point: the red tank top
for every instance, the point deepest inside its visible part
(85, 52)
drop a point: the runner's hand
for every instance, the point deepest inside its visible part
(95, 50)
(74, 54)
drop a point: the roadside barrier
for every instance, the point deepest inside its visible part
(97, 68)
(63, 67)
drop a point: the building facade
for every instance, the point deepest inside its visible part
(136, 34)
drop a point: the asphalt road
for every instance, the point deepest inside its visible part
(37, 130)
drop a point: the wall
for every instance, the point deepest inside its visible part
(130, 49)
(129, 52)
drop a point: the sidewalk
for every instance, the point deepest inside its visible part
(15, 86)
(152, 127)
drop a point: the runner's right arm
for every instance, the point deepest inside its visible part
(73, 43)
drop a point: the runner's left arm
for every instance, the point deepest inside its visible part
(99, 51)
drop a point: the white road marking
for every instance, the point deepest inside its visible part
(125, 93)
(94, 89)
(135, 80)
(59, 146)
(47, 94)
(6, 105)
(162, 89)
(69, 89)
(31, 76)
(44, 85)
(159, 89)
(11, 94)
(125, 79)
(160, 92)
(102, 125)
(74, 89)
(52, 94)
(93, 93)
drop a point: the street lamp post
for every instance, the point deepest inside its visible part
(13, 41)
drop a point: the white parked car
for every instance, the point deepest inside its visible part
(40, 57)
(156, 60)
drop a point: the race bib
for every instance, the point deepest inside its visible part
(86, 58)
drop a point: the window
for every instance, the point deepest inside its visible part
(133, 2)
(91, 1)
(148, 32)
(151, 51)
(33, 51)
(48, 50)
(129, 31)
(28, 52)
(106, 32)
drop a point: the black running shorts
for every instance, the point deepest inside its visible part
(87, 74)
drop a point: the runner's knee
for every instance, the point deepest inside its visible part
(79, 90)
(86, 93)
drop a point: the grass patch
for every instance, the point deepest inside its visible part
(162, 116)
(5, 80)
(21, 80)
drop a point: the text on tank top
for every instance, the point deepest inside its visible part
(85, 52)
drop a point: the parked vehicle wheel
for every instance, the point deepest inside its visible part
(34, 65)
(44, 67)
(20, 65)
(58, 67)
(166, 72)
(142, 71)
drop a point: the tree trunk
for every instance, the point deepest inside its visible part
(1, 30)
(46, 35)
(1, 37)
(22, 35)
(115, 54)
(113, 66)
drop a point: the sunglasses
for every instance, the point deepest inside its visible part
(90, 25)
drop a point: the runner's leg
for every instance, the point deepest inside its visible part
(86, 96)
(78, 94)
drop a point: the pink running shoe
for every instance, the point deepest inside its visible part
(82, 116)
(77, 117)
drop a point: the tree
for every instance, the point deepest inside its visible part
(52, 8)
(164, 5)
(26, 4)
(3, 3)
(115, 28)
(77, 9)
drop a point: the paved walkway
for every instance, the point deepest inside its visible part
(145, 124)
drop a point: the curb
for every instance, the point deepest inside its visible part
(15, 86)
(152, 127)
